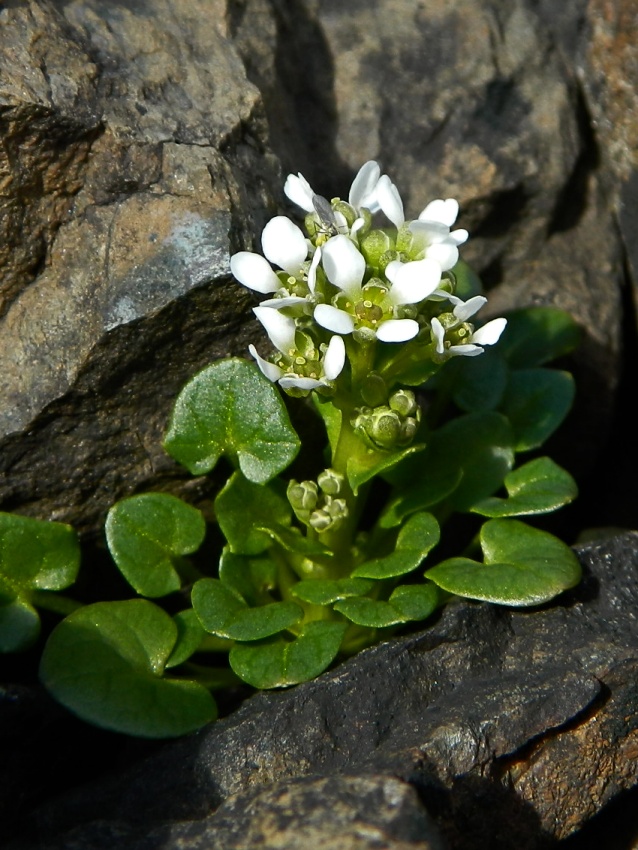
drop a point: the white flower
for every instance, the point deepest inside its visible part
(389, 201)
(373, 308)
(284, 244)
(304, 369)
(432, 230)
(473, 340)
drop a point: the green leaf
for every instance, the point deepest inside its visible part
(522, 566)
(231, 409)
(407, 603)
(35, 555)
(538, 487)
(416, 538)
(105, 662)
(38, 555)
(468, 283)
(252, 578)
(244, 509)
(19, 621)
(224, 613)
(278, 662)
(332, 417)
(368, 463)
(189, 637)
(146, 534)
(476, 383)
(537, 335)
(327, 591)
(536, 401)
(435, 484)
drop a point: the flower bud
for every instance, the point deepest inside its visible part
(302, 496)
(403, 402)
(320, 520)
(373, 390)
(373, 245)
(330, 482)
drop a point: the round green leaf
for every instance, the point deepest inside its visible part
(231, 409)
(416, 538)
(407, 603)
(243, 510)
(36, 554)
(536, 335)
(536, 401)
(146, 533)
(224, 613)
(19, 621)
(189, 637)
(105, 663)
(279, 662)
(327, 591)
(537, 487)
(522, 566)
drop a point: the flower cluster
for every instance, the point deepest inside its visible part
(345, 283)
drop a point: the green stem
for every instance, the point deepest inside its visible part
(55, 602)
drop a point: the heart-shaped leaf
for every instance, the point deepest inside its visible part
(536, 335)
(244, 509)
(407, 603)
(536, 401)
(416, 538)
(537, 487)
(105, 662)
(35, 555)
(146, 534)
(224, 613)
(327, 591)
(252, 578)
(278, 662)
(522, 566)
(231, 409)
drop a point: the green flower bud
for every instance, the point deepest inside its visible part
(320, 520)
(373, 245)
(408, 431)
(330, 482)
(337, 509)
(303, 496)
(373, 390)
(345, 209)
(403, 402)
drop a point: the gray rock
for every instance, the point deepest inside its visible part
(134, 163)
(497, 716)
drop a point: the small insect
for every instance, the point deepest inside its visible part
(324, 210)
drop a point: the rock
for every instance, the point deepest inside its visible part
(523, 718)
(132, 149)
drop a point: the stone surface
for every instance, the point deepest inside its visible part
(516, 727)
(132, 160)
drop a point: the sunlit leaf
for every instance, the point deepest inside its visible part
(407, 603)
(417, 537)
(537, 487)
(231, 409)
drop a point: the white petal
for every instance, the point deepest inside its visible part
(392, 270)
(341, 221)
(464, 309)
(303, 383)
(390, 201)
(281, 329)
(489, 333)
(439, 335)
(334, 358)
(343, 264)
(270, 370)
(446, 254)
(312, 271)
(358, 224)
(430, 231)
(299, 191)
(467, 350)
(459, 236)
(397, 330)
(254, 271)
(414, 281)
(443, 211)
(280, 303)
(284, 244)
(333, 319)
(364, 184)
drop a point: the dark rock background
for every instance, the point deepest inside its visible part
(143, 142)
